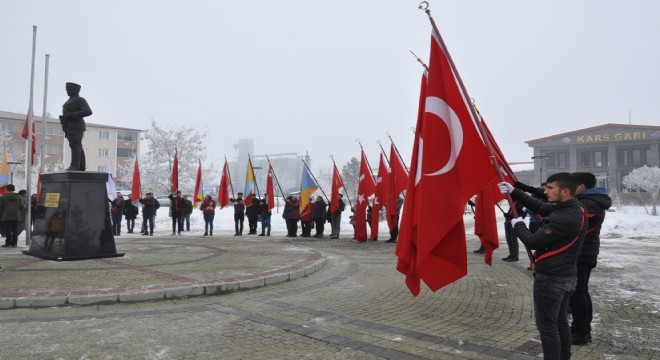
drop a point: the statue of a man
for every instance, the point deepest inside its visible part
(73, 123)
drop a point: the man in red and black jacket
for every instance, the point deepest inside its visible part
(177, 207)
(557, 243)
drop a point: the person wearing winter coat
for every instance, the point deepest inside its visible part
(239, 213)
(595, 202)
(335, 218)
(291, 215)
(11, 205)
(208, 209)
(306, 220)
(185, 213)
(558, 244)
(265, 216)
(319, 214)
(252, 212)
(177, 207)
(130, 214)
(149, 206)
(116, 211)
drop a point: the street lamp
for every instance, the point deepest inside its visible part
(12, 167)
(540, 160)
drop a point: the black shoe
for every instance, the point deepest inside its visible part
(480, 251)
(73, 168)
(211, 233)
(205, 234)
(151, 234)
(6, 245)
(145, 234)
(391, 241)
(506, 258)
(580, 341)
(262, 234)
(513, 259)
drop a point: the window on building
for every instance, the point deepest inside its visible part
(54, 129)
(557, 160)
(633, 157)
(6, 128)
(100, 168)
(102, 152)
(636, 157)
(622, 157)
(39, 127)
(592, 158)
(53, 149)
(127, 135)
(104, 134)
(585, 159)
(125, 153)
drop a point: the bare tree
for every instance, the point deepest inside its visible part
(646, 179)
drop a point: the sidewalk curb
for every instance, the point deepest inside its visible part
(177, 291)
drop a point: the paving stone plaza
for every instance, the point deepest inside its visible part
(230, 297)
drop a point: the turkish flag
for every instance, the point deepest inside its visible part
(197, 195)
(397, 183)
(223, 190)
(485, 223)
(270, 189)
(366, 188)
(450, 163)
(136, 187)
(25, 134)
(382, 179)
(337, 184)
(175, 172)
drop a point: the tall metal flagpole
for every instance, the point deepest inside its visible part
(398, 153)
(342, 181)
(229, 176)
(28, 144)
(276, 179)
(43, 118)
(475, 117)
(314, 177)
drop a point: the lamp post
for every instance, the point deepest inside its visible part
(540, 160)
(12, 167)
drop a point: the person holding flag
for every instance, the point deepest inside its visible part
(130, 214)
(265, 215)
(208, 209)
(336, 203)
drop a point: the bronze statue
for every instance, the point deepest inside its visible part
(73, 123)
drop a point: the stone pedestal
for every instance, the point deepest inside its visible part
(72, 221)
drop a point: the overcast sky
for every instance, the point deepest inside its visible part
(312, 76)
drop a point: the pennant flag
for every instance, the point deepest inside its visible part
(249, 184)
(397, 183)
(366, 188)
(449, 162)
(28, 119)
(136, 187)
(337, 184)
(4, 173)
(175, 172)
(197, 195)
(270, 188)
(223, 190)
(110, 185)
(307, 187)
(382, 186)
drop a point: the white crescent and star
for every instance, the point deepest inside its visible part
(441, 109)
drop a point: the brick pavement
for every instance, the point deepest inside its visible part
(354, 307)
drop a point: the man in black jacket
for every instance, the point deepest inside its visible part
(557, 244)
(595, 202)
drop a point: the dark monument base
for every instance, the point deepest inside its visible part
(72, 219)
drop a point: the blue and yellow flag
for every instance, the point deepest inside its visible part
(4, 170)
(249, 185)
(307, 187)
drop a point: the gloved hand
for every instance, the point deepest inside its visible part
(514, 221)
(505, 187)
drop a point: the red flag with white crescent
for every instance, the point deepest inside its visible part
(366, 188)
(450, 164)
(270, 188)
(223, 190)
(136, 188)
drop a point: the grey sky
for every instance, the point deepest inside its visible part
(315, 75)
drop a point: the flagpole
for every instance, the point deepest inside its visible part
(398, 153)
(475, 118)
(275, 176)
(28, 144)
(342, 181)
(365, 158)
(383, 150)
(229, 176)
(317, 182)
(43, 118)
(254, 177)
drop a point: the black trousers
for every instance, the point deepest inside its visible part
(11, 232)
(238, 223)
(77, 153)
(320, 225)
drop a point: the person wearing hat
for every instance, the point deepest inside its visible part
(72, 119)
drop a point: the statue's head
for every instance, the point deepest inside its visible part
(72, 89)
